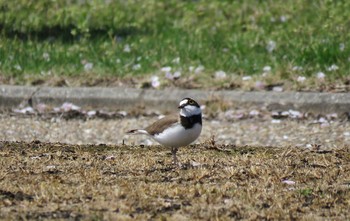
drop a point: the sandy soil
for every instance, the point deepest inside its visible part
(261, 131)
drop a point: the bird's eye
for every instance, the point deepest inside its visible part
(191, 102)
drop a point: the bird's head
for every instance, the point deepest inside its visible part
(189, 107)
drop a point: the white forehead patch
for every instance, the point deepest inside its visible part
(183, 102)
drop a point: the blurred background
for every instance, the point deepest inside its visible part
(249, 45)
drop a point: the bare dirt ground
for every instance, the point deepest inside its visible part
(230, 128)
(120, 182)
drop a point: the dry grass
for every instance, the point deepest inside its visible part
(95, 182)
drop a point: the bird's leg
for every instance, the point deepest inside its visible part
(173, 151)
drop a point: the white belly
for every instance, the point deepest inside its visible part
(178, 136)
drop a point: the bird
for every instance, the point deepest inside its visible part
(177, 130)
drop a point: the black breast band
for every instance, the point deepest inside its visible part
(189, 122)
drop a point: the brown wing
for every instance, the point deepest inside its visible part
(160, 125)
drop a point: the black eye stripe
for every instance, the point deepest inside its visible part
(190, 102)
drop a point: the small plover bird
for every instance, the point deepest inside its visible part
(176, 130)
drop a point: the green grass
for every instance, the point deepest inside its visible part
(41, 39)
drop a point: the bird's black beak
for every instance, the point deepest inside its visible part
(181, 106)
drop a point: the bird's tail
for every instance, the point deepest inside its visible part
(137, 131)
